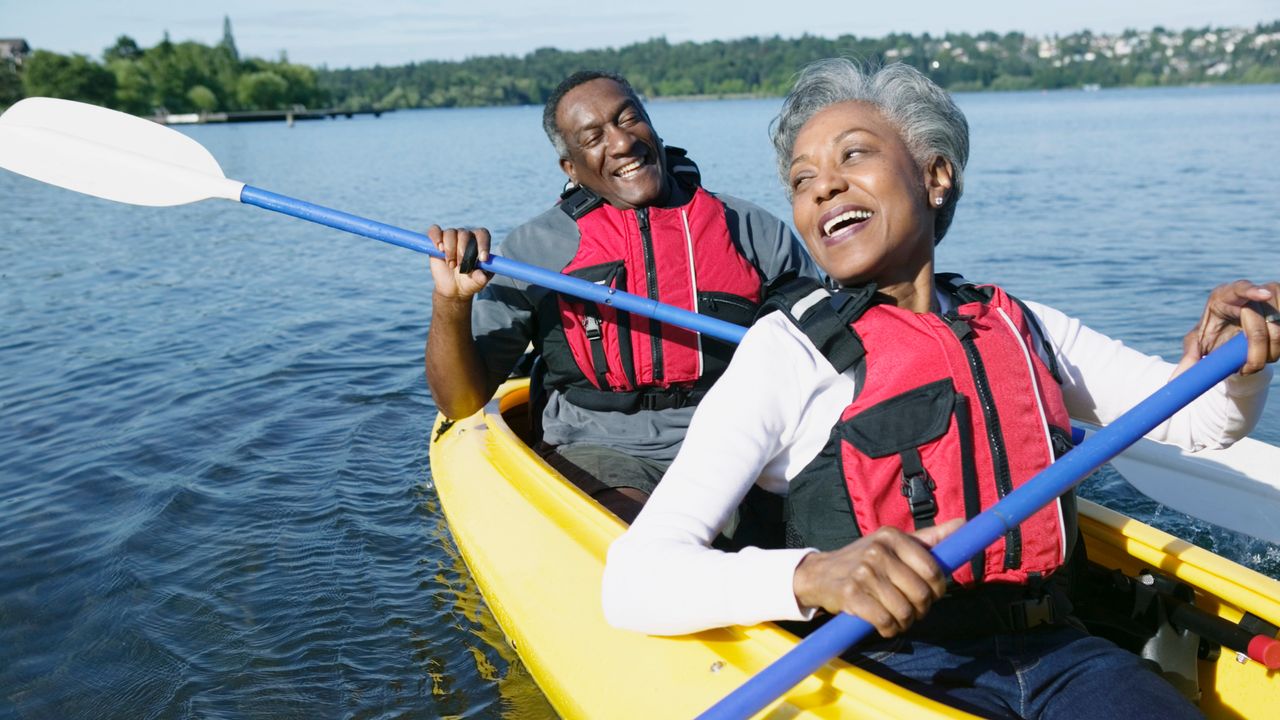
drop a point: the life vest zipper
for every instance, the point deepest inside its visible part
(995, 437)
(651, 282)
(969, 474)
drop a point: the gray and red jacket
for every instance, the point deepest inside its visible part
(683, 256)
(952, 412)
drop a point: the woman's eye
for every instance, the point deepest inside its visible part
(799, 181)
(851, 153)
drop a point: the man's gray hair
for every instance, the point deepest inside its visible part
(930, 123)
(552, 105)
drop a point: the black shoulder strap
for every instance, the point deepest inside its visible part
(967, 292)
(824, 317)
(961, 289)
(577, 201)
(682, 167)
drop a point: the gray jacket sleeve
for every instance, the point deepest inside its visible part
(503, 314)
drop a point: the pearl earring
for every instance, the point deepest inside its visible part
(938, 200)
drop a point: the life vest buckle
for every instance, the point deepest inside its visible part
(672, 398)
(918, 490)
(1031, 613)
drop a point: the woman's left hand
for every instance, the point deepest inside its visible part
(1235, 307)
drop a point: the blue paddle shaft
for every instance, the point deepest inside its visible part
(531, 274)
(974, 536)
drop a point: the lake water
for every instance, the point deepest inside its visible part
(215, 498)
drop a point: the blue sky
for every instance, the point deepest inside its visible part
(393, 32)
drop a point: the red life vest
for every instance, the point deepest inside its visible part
(682, 256)
(952, 413)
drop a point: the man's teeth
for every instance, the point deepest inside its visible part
(851, 216)
(629, 168)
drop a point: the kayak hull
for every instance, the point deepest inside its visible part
(536, 546)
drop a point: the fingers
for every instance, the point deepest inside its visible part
(1260, 322)
(457, 275)
(457, 243)
(887, 578)
(931, 536)
(1234, 307)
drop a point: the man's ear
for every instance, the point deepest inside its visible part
(568, 167)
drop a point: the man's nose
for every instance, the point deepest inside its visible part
(619, 140)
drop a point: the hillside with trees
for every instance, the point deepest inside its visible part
(191, 77)
(765, 66)
(184, 77)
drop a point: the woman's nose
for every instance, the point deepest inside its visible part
(827, 184)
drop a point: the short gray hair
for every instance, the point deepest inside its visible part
(582, 77)
(930, 123)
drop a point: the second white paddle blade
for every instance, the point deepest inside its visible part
(108, 154)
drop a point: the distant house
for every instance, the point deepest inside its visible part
(14, 49)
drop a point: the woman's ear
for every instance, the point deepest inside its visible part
(938, 181)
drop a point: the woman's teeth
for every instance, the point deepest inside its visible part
(853, 216)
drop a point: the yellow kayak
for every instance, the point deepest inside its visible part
(536, 545)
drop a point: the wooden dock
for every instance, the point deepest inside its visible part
(288, 116)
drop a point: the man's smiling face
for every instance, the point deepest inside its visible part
(613, 150)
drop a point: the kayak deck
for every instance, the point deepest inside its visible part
(536, 546)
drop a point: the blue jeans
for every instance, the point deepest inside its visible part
(1053, 671)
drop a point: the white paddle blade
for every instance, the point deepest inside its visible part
(1237, 488)
(108, 154)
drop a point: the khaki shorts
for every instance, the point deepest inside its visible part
(595, 468)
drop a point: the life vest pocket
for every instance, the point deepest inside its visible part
(902, 422)
(902, 494)
(599, 336)
(732, 309)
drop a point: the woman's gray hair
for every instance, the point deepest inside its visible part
(930, 123)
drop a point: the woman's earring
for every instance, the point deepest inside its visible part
(939, 200)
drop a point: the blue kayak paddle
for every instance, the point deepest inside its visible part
(120, 157)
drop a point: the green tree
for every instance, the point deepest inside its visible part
(10, 83)
(124, 49)
(263, 90)
(133, 87)
(202, 98)
(73, 77)
(228, 42)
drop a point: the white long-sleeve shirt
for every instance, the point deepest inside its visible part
(772, 412)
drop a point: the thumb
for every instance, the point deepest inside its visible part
(931, 536)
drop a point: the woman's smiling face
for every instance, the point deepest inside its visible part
(863, 206)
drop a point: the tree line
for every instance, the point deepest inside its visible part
(766, 66)
(184, 77)
(190, 77)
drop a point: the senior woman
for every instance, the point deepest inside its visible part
(892, 409)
